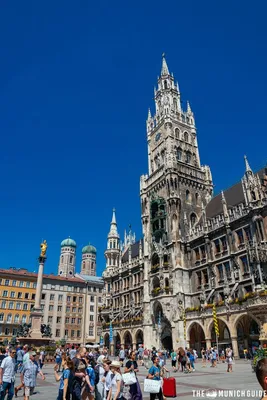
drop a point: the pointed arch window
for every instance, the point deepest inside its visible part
(179, 154)
(193, 219)
(253, 195)
(186, 137)
(71, 259)
(177, 133)
(175, 104)
(62, 259)
(188, 157)
(165, 85)
(187, 196)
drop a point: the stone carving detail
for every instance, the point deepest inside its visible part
(46, 330)
(24, 330)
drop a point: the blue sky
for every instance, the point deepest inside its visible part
(76, 81)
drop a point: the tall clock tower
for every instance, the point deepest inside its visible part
(173, 195)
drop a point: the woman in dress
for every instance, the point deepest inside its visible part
(131, 366)
(116, 388)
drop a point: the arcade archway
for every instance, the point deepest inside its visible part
(139, 337)
(117, 343)
(197, 337)
(163, 326)
(128, 340)
(247, 334)
(224, 338)
(106, 340)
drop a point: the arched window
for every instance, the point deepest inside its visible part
(188, 157)
(167, 283)
(9, 318)
(71, 259)
(16, 319)
(24, 319)
(165, 85)
(175, 104)
(177, 133)
(83, 264)
(187, 196)
(193, 219)
(186, 137)
(253, 195)
(62, 259)
(197, 198)
(179, 154)
(1, 317)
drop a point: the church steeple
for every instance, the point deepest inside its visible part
(164, 68)
(113, 233)
(112, 253)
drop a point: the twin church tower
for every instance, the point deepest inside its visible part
(67, 260)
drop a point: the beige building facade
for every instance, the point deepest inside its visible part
(197, 249)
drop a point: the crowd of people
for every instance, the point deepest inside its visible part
(87, 374)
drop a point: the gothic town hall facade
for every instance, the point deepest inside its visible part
(197, 249)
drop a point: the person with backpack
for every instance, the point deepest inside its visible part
(89, 379)
(66, 379)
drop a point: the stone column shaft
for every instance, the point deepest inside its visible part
(235, 347)
(39, 285)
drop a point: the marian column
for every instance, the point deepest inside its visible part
(36, 314)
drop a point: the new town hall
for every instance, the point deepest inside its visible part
(196, 250)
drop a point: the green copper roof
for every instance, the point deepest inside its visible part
(89, 249)
(68, 242)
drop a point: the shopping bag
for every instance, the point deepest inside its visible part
(152, 386)
(129, 378)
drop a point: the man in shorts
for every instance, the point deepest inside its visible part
(29, 373)
(122, 356)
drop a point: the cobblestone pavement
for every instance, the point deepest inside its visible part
(202, 379)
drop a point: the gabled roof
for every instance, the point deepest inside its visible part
(135, 251)
(233, 195)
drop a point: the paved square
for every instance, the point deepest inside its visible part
(242, 378)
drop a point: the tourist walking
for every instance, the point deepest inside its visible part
(155, 374)
(29, 373)
(65, 379)
(7, 375)
(131, 366)
(79, 373)
(122, 356)
(99, 384)
(116, 389)
(107, 377)
(229, 360)
(204, 357)
(89, 392)
(174, 360)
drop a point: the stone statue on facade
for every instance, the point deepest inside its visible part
(43, 246)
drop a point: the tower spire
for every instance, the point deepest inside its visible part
(248, 169)
(164, 68)
(113, 226)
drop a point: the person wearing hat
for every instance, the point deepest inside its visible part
(116, 389)
(29, 373)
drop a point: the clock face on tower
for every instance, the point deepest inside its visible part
(157, 137)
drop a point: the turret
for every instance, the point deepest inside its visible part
(88, 265)
(67, 260)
